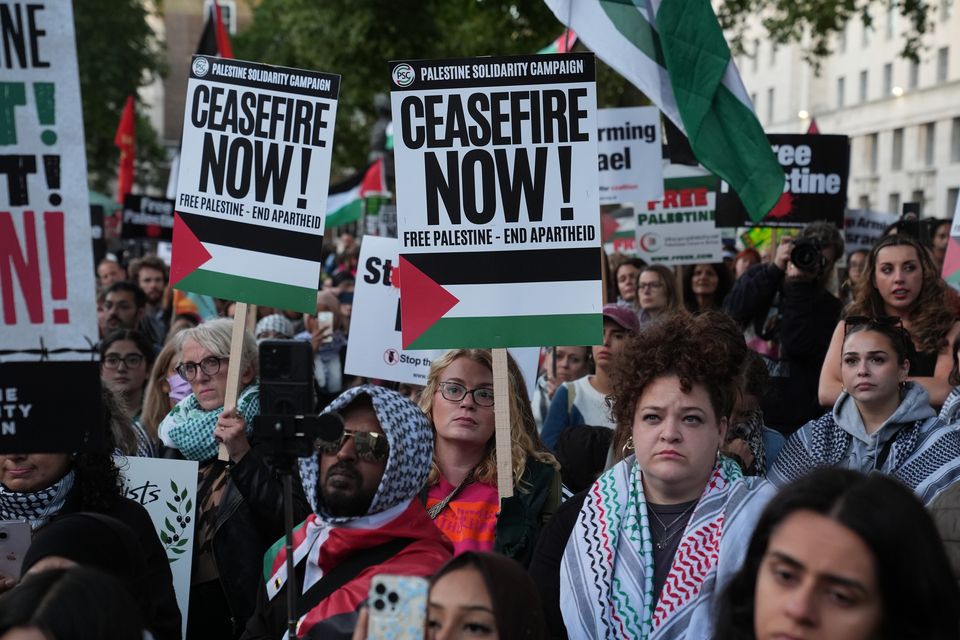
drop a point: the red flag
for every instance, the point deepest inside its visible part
(124, 140)
(813, 128)
(223, 38)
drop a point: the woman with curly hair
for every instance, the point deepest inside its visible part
(461, 494)
(900, 280)
(40, 487)
(672, 513)
(705, 286)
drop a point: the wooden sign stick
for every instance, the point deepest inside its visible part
(234, 365)
(501, 414)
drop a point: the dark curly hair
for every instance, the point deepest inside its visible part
(97, 479)
(913, 573)
(724, 284)
(706, 349)
(930, 319)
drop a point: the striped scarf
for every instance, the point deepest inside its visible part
(606, 574)
(190, 428)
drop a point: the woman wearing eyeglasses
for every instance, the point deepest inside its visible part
(125, 360)
(656, 292)
(461, 494)
(239, 504)
(881, 422)
(900, 279)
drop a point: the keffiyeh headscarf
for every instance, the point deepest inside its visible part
(609, 558)
(411, 450)
(36, 507)
(190, 428)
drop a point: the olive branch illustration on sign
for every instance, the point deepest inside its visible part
(175, 543)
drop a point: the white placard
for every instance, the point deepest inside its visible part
(630, 155)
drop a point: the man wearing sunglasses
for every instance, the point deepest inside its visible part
(363, 486)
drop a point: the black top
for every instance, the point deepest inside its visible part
(922, 364)
(675, 517)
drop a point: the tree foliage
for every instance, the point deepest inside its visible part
(791, 21)
(117, 52)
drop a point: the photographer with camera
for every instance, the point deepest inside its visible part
(788, 317)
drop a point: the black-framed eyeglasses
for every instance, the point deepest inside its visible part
(455, 392)
(209, 365)
(131, 361)
(370, 446)
(879, 321)
(652, 286)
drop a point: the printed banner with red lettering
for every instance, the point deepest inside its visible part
(680, 228)
(47, 294)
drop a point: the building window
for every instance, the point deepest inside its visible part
(914, 74)
(887, 79)
(918, 197)
(842, 39)
(943, 58)
(952, 201)
(893, 203)
(955, 140)
(946, 9)
(896, 153)
(927, 147)
(228, 13)
(773, 53)
(841, 81)
(864, 203)
(756, 55)
(770, 104)
(863, 86)
(870, 152)
(865, 38)
(891, 19)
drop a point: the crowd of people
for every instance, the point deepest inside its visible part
(757, 448)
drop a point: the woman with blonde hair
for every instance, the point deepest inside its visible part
(165, 388)
(461, 494)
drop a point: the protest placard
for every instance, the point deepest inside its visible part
(47, 289)
(252, 188)
(497, 201)
(631, 156)
(680, 229)
(147, 218)
(863, 228)
(815, 184)
(167, 489)
(374, 349)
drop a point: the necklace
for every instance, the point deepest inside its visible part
(667, 535)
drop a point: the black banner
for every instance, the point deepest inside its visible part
(147, 218)
(50, 407)
(816, 168)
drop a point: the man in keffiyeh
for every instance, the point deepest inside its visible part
(363, 489)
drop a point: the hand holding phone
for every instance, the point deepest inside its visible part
(325, 325)
(398, 608)
(14, 542)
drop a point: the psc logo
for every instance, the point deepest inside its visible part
(650, 242)
(200, 67)
(403, 75)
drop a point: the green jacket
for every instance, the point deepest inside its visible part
(523, 515)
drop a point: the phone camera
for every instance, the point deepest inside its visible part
(3, 535)
(393, 597)
(379, 604)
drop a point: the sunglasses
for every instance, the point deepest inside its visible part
(880, 321)
(370, 447)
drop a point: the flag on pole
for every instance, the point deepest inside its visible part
(215, 40)
(813, 129)
(675, 52)
(563, 44)
(345, 200)
(124, 140)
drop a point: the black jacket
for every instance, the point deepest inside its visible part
(808, 316)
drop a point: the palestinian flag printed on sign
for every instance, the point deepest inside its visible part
(563, 44)
(497, 201)
(252, 190)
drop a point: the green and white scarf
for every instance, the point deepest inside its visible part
(190, 428)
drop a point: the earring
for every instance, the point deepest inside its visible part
(627, 447)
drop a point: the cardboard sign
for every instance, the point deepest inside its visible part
(47, 289)
(631, 155)
(374, 349)
(497, 201)
(167, 489)
(252, 189)
(863, 228)
(680, 229)
(147, 218)
(815, 186)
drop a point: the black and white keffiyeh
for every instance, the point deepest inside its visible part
(410, 438)
(36, 507)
